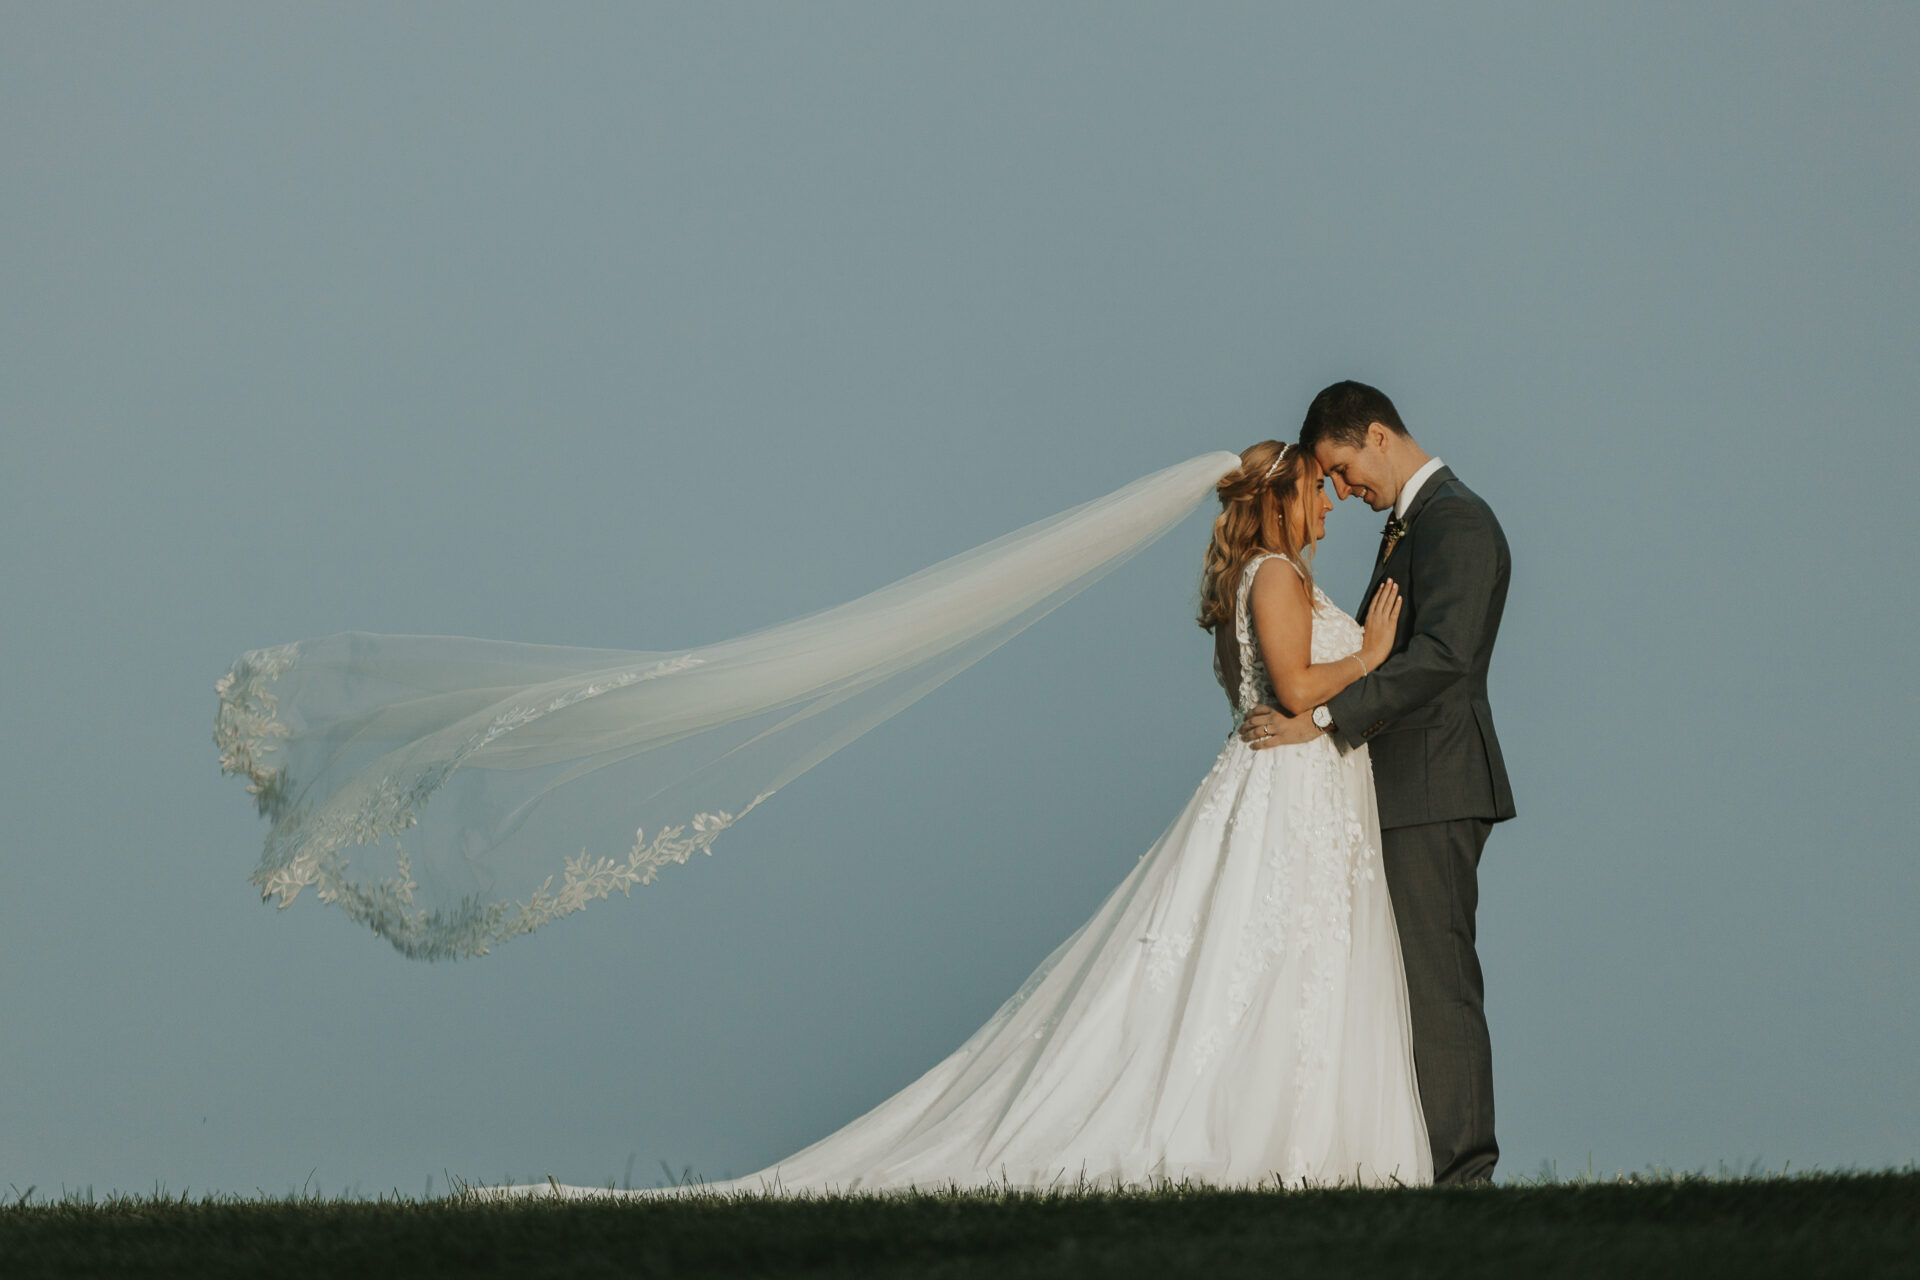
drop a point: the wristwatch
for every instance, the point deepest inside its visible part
(1323, 718)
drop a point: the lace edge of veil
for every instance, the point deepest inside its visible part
(304, 846)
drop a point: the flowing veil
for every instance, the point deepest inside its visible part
(520, 782)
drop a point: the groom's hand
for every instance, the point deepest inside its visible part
(1264, 727)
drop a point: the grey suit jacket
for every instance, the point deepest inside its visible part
(1424, 711)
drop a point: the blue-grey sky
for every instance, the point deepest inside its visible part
(641, 326)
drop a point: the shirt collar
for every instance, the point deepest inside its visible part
(1412, 487)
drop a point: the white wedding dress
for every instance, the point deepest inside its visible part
(1235, 1013)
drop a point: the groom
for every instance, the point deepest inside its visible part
(1437, 768)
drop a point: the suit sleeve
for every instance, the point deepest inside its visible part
(1454, 568)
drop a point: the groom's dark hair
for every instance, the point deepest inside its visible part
(1341, 414)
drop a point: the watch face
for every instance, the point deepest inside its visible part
(1322, 717)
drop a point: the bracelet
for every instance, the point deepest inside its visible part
(1363, 664)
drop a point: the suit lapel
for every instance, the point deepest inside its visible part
(1373, 584)
(1384, 569)
(1439, 477)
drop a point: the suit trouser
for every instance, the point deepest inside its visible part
(1433, 879)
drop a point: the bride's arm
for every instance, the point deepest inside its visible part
(1283, 623)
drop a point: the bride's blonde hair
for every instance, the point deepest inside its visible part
(1260, 510)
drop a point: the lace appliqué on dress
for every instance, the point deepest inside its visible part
(1164, 953)
(1311, 869)
(1256, 687)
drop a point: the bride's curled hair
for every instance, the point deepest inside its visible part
(1261, 509)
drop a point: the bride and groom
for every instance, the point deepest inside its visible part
(1284, 990)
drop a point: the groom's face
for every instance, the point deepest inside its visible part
(1359, 471)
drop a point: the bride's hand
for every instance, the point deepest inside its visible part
(1383, 619)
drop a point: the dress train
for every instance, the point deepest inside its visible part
(1234, 1013)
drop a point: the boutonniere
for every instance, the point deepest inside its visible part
(1396, 529)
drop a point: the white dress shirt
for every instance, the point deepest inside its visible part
(1412, 487)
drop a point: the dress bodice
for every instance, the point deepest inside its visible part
(1335, 634)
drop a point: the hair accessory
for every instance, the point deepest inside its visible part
(1277, 460)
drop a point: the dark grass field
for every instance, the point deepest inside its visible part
(1852, 1224)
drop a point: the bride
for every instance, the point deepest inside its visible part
(1235, 1012)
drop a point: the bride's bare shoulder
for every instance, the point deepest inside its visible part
(1278, 576)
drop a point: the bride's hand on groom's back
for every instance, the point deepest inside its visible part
(1265, 727)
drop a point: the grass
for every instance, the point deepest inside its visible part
(1660, 1223)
